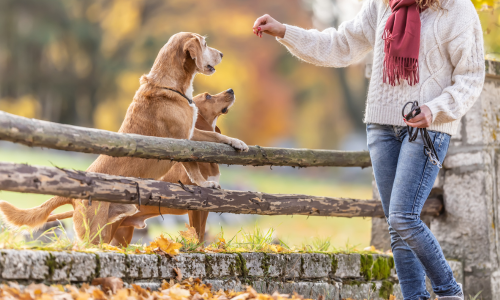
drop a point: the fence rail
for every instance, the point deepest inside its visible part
(32, 132)
(101, 187)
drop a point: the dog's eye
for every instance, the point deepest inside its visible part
(209, 97)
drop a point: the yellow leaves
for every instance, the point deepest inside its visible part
(190, 234)
(162, 245)
(25, 106)
(108, 247)
(277, 248)
(177, 293)
(119, 21)
(370, 249)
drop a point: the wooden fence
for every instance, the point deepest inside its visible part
(103, 187)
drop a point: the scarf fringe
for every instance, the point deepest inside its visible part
(398, 68)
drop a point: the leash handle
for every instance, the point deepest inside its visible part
(429, 149)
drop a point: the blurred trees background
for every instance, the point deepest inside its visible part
(79, 62)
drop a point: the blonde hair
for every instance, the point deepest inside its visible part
(433, 4)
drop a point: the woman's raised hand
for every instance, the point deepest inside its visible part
(268, 25)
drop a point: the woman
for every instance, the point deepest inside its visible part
(428, 51)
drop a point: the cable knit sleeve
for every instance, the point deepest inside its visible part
(334, 47)
(467, 77)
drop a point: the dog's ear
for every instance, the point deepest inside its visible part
(202, 124)
(193, 50)
(217, 130)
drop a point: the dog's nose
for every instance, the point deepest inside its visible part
(221, 55)
(230, 91)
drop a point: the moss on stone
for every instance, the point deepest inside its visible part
(381, 268)
(391, 262)
(386, 289)
(352, 282)
(265, 264)
(208, 266)
(51, 264)
(366, 266)
(98, 266)
(335, 263)
(241, 263)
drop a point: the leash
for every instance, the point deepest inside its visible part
(429, 149)
(189, 100)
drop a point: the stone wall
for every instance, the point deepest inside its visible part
(468, 231)
(335, 276)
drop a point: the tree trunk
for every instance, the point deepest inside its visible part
(102, 187)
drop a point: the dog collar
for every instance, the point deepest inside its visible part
(189, 100)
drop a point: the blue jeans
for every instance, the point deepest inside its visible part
(405, 177)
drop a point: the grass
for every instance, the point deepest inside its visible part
(293, 230)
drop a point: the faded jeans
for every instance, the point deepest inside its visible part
(405, 177)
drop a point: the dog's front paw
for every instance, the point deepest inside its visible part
(238, 145)
(211, 185)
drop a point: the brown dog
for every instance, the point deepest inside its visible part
(161, 107)
(210, 107)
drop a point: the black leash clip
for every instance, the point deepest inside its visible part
(429, 149)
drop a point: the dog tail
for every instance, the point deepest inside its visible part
(61, 216)
(33, 217)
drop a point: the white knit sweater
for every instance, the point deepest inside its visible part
(451, 60)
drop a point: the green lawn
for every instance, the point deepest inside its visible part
(294, 230)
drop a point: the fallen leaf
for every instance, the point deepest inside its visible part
(164, 245)
(178, 272)
(190, 234)
(99, 295)
(371, 248)
(112, 248)
(108, 284)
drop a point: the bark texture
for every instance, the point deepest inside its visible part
(102, 187)
(32, 132)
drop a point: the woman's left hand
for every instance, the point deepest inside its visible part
(422, 120)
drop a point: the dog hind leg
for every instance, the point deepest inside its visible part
(198, 220)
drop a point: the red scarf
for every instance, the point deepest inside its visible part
(402, 42)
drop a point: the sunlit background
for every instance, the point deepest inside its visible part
(79, 62)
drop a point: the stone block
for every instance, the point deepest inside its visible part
(293, 265)
(463, 159)
(328, 291)
(24, 264)
(83, 267)
(253, 262)
(301, 288)
(142, 266)
(466, 222)
(229, 284)
(260, 286)
(348, 266)
(357, 290)
(277, 265)
(191, 265)
(316, 265)
(60, 265)
(222, 265)
(152, 285)
(474, 124)
(274, 286)
(112, 265)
